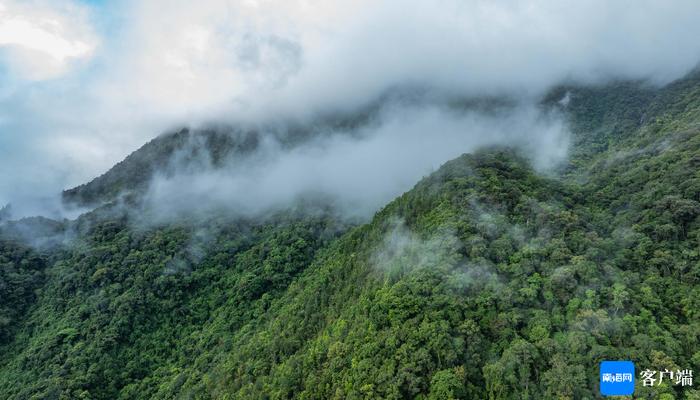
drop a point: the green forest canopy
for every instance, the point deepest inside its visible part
(486, 280)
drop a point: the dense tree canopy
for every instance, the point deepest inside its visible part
(487, 280)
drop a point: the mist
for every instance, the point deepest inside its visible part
(360, 172)
(80, 93)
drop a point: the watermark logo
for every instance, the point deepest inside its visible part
(616, 378)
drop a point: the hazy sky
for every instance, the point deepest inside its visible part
(83, 83)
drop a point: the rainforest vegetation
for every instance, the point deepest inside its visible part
(487, 280)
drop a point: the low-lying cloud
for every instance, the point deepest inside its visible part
(403, 252)
(357, 173)
(130, 70)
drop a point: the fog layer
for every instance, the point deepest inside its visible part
(359, 173)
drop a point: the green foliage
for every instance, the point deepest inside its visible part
(487, 281)
(21, 274)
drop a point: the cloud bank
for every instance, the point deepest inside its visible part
(361, 172)
(83, 84)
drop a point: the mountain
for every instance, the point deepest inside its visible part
(134, 173)
(210, 147)
(486, 280)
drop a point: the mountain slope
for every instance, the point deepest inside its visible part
(134, 173)
(486, 280)
(206, 148)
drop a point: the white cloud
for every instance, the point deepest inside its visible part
(359, 173)
(40, 41)
(251, 59)
(161, 63)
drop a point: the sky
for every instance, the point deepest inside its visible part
(84, 83)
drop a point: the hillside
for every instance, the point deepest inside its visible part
(133, 174)
(211, 147)
(486, 280)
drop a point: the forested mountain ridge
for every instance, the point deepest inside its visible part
(486, 280)
(207, 147)
(134, 173)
